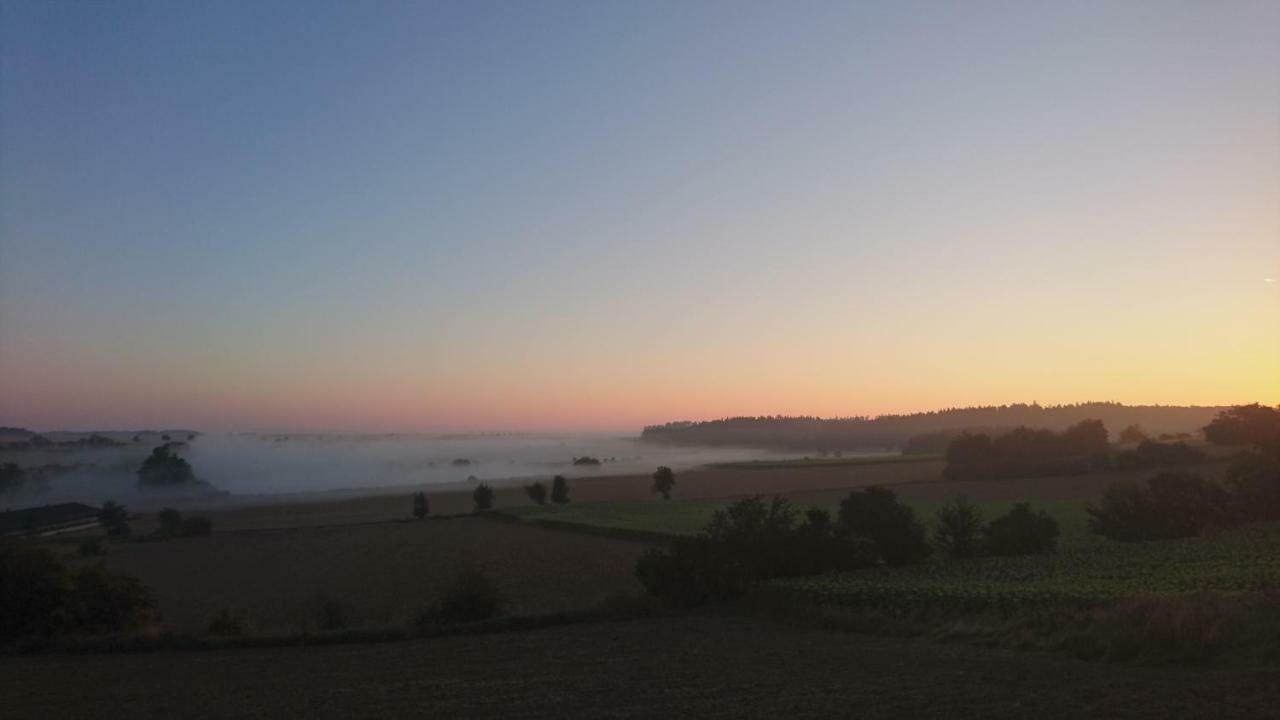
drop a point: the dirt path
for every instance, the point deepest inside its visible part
(698, 667)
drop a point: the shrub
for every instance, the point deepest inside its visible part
(1173, 505)
(421, 507)
(40, 596)
(559, 490)
(537, 492)
(959, 528)
(12, 478)
(471, 599)
(1021, 532)
(333, 614)
(225, 624)
(114, 517)
(173, 525)
(875, 514)
(100, 603)
(692, 572)
(586, 460)
(483, 496)
(89, 547)
(663, 482)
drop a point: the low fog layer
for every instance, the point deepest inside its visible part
(269, 464)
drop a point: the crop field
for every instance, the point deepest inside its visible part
(1240, 561)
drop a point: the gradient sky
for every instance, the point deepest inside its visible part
(533, 215)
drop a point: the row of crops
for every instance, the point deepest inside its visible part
(1239, 561)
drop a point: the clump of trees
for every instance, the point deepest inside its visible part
(559, 490)
(174, 525)
(960, 533)
(164, 468)
(421, 506)
(586, 460)
(1170, 505)
(1181, 504)
(1025, 452)
(537, 492)
(483, 497)
(1254, 424)
(1152, 454)
(42, 597)
(746, 543)
(664, 480)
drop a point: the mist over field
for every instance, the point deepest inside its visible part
(266, 464)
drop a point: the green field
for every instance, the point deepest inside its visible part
(1064, 498)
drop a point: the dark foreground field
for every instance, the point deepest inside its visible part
(275, 580)
(704, 667)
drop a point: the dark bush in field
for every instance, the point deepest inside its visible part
(334, 614)
(12, 478)
(958, 531)
(471, 599)
(1132, 434)
(173, 525)
(1027, 452)
(114, 517)
(1152, 454)
(1020, 532)
(537, 492)
(559, 490)
(748, 542)
(1244, 425)
(1172, 505)
(875, 514)
(40, 597)
(586, 460)
(421, 506)
(92, 547)
(483, 496)
(164, 468)
(663, 482)
(225, 624)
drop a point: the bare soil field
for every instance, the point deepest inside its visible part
(273, 580)
(706, 667)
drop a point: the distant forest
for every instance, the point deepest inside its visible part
(895, 431)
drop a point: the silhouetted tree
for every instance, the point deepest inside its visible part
(12, 478)
(874, 513)
(483, 496)
(663, 481)
(537, 492)
(959, 529)
(1244, 425)
(1172, 505)
(114, 517)
(1020, 532)
(421, 507)
(559, 490)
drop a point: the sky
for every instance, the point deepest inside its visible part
(420, 217)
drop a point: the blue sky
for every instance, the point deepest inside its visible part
(532, 215)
